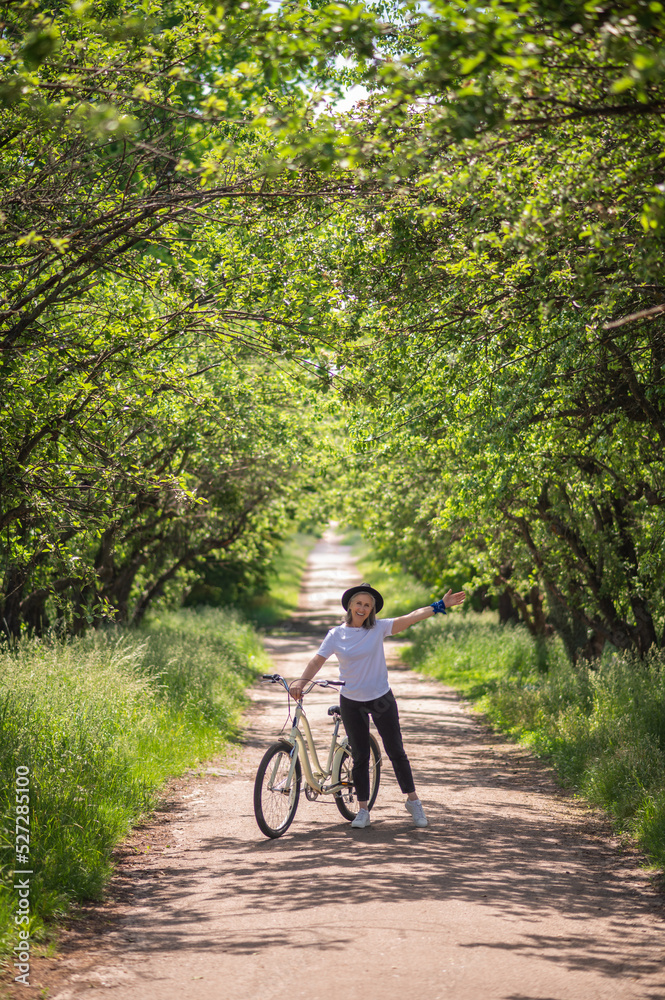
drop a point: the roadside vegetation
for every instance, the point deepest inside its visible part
(601, 726)
(102, 721)
(437, 315)
(280, 599)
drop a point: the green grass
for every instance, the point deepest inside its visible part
(102, 722)
(603, 729)
(402, 593)
(284, 584)
(473, 653)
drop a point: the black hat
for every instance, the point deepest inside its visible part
(366, 589)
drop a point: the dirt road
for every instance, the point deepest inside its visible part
(514, 892)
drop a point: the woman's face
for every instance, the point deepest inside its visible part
(360, 606)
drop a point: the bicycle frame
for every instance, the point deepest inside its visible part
(292, 764)
(306, 752)
(304, 749)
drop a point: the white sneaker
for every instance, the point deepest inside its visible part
(415, 807)
(362, 819)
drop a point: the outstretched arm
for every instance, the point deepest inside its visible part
(450, 600)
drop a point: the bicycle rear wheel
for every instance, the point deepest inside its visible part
(274, 805)
(346, 800)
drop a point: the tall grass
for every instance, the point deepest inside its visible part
(603, 728)
(101, 722)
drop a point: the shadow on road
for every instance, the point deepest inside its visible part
(514, 862)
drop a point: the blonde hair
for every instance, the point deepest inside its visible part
(370, 621)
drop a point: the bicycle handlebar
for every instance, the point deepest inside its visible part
(278, 679)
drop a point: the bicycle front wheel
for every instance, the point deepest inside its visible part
(346, 800)
(274, 804)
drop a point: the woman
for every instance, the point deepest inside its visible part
(358, 644)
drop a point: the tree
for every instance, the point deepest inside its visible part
(508, 301)
(141, 194)
(472, 258)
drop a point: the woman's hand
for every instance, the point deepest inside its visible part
(451, 600)
(296, 688)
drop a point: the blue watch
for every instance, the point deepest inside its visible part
(439, 606)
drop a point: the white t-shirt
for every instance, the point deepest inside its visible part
(362, 662)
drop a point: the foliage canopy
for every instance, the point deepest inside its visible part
(471, 258)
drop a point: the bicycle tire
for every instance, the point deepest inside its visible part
(346, 800)
(275, 809)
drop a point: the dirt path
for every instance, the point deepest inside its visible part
(513, 892)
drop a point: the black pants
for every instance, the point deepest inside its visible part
(356, 716)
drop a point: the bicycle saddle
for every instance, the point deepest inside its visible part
(334, 710)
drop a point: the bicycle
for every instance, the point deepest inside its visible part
(280, 773)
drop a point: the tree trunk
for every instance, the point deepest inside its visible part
(13, 586)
